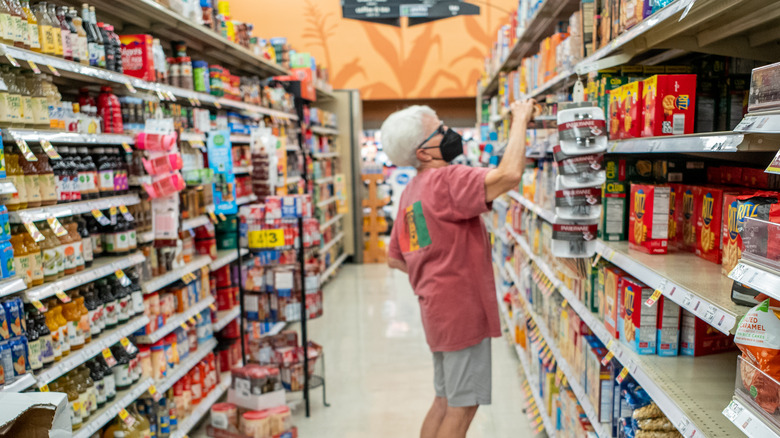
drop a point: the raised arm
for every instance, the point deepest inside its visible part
(509, 172)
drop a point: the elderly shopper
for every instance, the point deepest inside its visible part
(440, 241)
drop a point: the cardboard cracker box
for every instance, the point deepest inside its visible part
(648, 220)
(690, 204)
(612, 283)
(631, 97)
(669, 102)
(697, 338)
(709, 217)
(639, 322)
(730, 238)
(675, 218)
(668, 327)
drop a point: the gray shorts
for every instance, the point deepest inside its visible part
(464, 377)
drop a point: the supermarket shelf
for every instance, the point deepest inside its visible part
(760, 123)
(574, 381)
(69, 209)
(111, 410)
(60, 137)
(20, 384)
(326, 247)
(324, 130)
(547, 215)
(326, 202)
(530, 377)
(693, 143)
(78, 357)
(240, 138)
(331, 221)
(161, 281)
(202, 408)
(225, 257)
(225, 317)
(11, 286)
(246, 199)
(242, 170)
(325, 155)
(692, 282)
(175, 321)
(325, 276)
(191, 224)
(538, 28)
(323, 94)
(100, 268)
(690, 391)
(186, 365)
(760, 278)
(751, 423)
(146, 237)
(292, 180)
(276, 329)
(324, 180)
(256, 109)
(7, 187)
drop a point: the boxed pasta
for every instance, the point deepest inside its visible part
(648, 219)
(668, 327)
(638, 322)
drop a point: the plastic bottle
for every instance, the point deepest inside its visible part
(14, 98)
(31, 182)
(46, 178)
(109, 47)
(109, 379)
(14, 174)
(92, 304)
(20, 21)
(28, 119)
(110, 110)
(105, 173)
(62, 324)
(72, 173)
(122, 368)
(33, 37)
(96, 373)
(5, 120)
(54, 329)
(39, 101)
(36, 258)
(92, 42)
(92, 391)
(75, 378)
(45, 32)
(81, 45)
(56, 27)
(101, 43)
(117, 44)
(53, 99)
(84, 321)
(47, 345)
(67, 47)
(86, 241)
(7, 28)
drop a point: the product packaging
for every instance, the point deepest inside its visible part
(578, 204)
(582, 130)
(708, 217)
(612, 284)
(138, 56)
(697, 338)
(599, 382)
(686, 217)
(631, 105)
(668, 327)
(580, 170)
(669, 102)
(649, 218)
(574, 240)
(638, 324)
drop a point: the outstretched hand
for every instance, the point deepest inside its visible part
(523, 111)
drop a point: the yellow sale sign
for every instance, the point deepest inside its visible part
(266, 239)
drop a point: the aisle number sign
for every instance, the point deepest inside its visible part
(263, 239)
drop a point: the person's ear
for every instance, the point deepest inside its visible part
(423, 156)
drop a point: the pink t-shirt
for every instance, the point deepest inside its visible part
(441, 237)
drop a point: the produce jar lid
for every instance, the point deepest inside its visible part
(256, 415)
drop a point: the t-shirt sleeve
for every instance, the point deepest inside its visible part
(394, 249)
(466, 190)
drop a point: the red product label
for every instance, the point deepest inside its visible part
(582, 129)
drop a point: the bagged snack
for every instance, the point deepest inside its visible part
(660, 424)
(650, 411)
(757, 338)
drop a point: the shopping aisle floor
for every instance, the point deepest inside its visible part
(380, 370)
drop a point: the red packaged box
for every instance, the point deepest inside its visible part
(754, 178)
(613, 277)
(675, 215)
(732, 175)
(697, 338)
(648, 220)
(637, 321)
(687, 218)
(137, 56)
(669, 102)
(709, 217)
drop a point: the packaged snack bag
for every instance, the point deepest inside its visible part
(757, 338)
(759, 205)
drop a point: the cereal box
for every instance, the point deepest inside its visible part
(631, 103)
(612, 283)
(669, 102)
(639, 322)
(668, 327)
(687, 217)
(709, 216)
(648, 220)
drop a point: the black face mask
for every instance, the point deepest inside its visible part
(451, 144)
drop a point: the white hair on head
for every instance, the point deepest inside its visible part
(402, 133)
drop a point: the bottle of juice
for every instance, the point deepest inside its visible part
(78, 383)
(66, 386)
(7, 27)
(34, 356)
(59, 14)
(14, 174)
(95, 231)
(122, 368)
(108, 377)
(54, 329)
(21, 258)
(5, 119)
(72, 314)
(84, 322)
(86, 241)
(31, 182)
(48, 184)
(92, 392)
(111, 303)
(96, 374)
(78, 247)
(51, 11)
(14, 98)
(69, 251)
(40, 104)
(92, 304)
(36, 258)
(28, 118)
(141, 422)
(32, 27)
(63, 326)
(47, 344)
(45, 35)
(20, 21)
(52, 256)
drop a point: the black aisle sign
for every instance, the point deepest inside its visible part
(418, 11)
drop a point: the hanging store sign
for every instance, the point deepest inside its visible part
(418, 12)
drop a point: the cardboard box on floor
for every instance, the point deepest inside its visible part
(35, 415)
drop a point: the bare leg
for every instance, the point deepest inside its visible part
(434, 418)
(456, 422)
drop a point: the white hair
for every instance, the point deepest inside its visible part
(402, 133)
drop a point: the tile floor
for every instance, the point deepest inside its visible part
(379, 369)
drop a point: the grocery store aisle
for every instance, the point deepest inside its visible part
(380, 370)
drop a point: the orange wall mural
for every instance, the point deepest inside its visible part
(435, 60)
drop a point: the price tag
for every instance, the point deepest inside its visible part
(683, 425)
(687, 300)
(62, 296)
(56, 226)
(25, 148)
(218, 105)
(710, 314)
(39, 305)
(127, 148)
(197, 101)
(191, 320)
(126, 213)
(596, 260)
(198, 317)
(607, 358)
(186, 278)
(127, 345)
(564, 303)
(622, 375)
(539, 429)
(33, 230)
(653, 298)
(213, 307)
(12, 60)
(34, 67)
(110, 360)
(184, 326)
(49, 149)
(156, 396)
(126, 417)
(112, 213)
(160, 95)
(123, 280)
(192, 101)
(130, 87)
(100, 217)
(610, 344)
(53, 70)
(732, 411)
(44, 388)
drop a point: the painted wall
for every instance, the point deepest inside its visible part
(441, 59)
